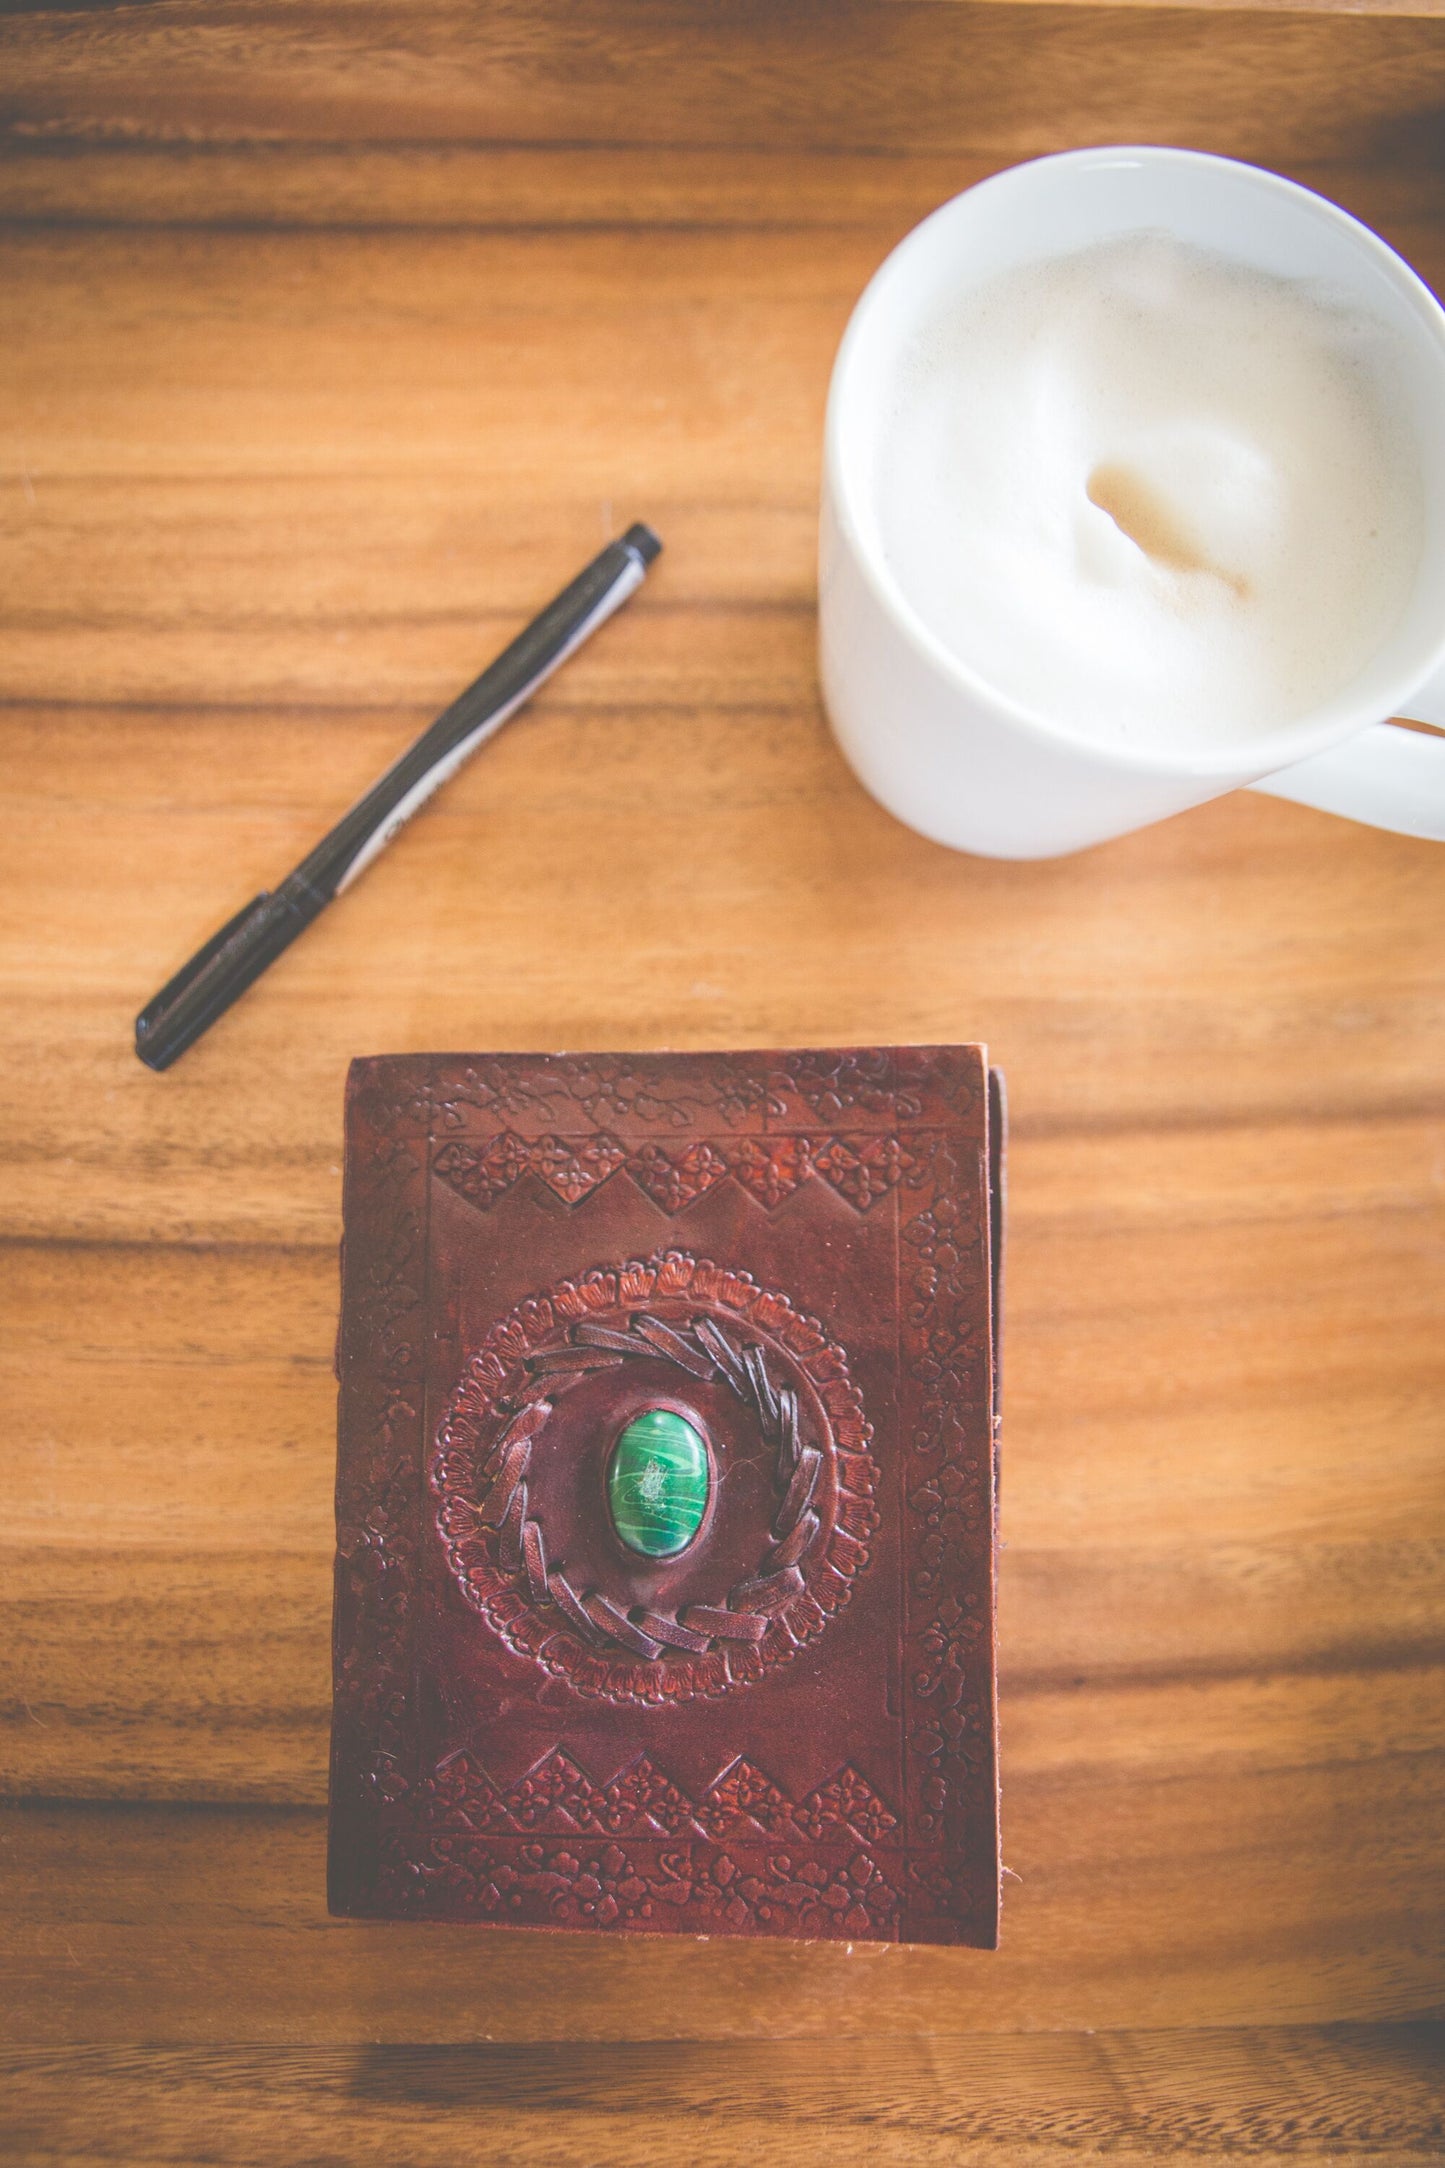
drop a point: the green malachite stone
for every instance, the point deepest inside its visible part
(657, 1483)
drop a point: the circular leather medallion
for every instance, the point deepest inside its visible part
(522, 1457)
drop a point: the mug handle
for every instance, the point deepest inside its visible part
(1388, 777)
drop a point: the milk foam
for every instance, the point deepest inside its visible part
(1151, 495)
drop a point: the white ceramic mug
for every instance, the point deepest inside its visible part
(950, 754)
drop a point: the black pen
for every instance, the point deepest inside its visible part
(204, 988)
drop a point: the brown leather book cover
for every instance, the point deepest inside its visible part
(667, 1494)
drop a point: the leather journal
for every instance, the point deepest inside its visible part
(667, 1494)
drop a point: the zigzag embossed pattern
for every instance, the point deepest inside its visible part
(460, 1839)
(770, 1169)
(557, 1798)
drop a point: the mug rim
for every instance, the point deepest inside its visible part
(1250, 758)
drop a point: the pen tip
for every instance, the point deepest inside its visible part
(642, 539)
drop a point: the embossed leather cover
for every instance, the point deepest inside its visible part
(788, 1728)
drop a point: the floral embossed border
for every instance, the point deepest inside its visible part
(640, 1096)
(948, 1443)
(381, 1411)
(692, 1889)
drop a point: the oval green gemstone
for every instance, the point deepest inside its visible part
(657, 1483)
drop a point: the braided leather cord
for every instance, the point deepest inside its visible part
(705, 1351)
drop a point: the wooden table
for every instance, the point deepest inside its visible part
(334, 339)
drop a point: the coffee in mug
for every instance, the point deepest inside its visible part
(1153, 494)
(1134, 493)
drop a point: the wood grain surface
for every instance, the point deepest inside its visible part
(333, 343)
(1288, 2095)
(1010, 76)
